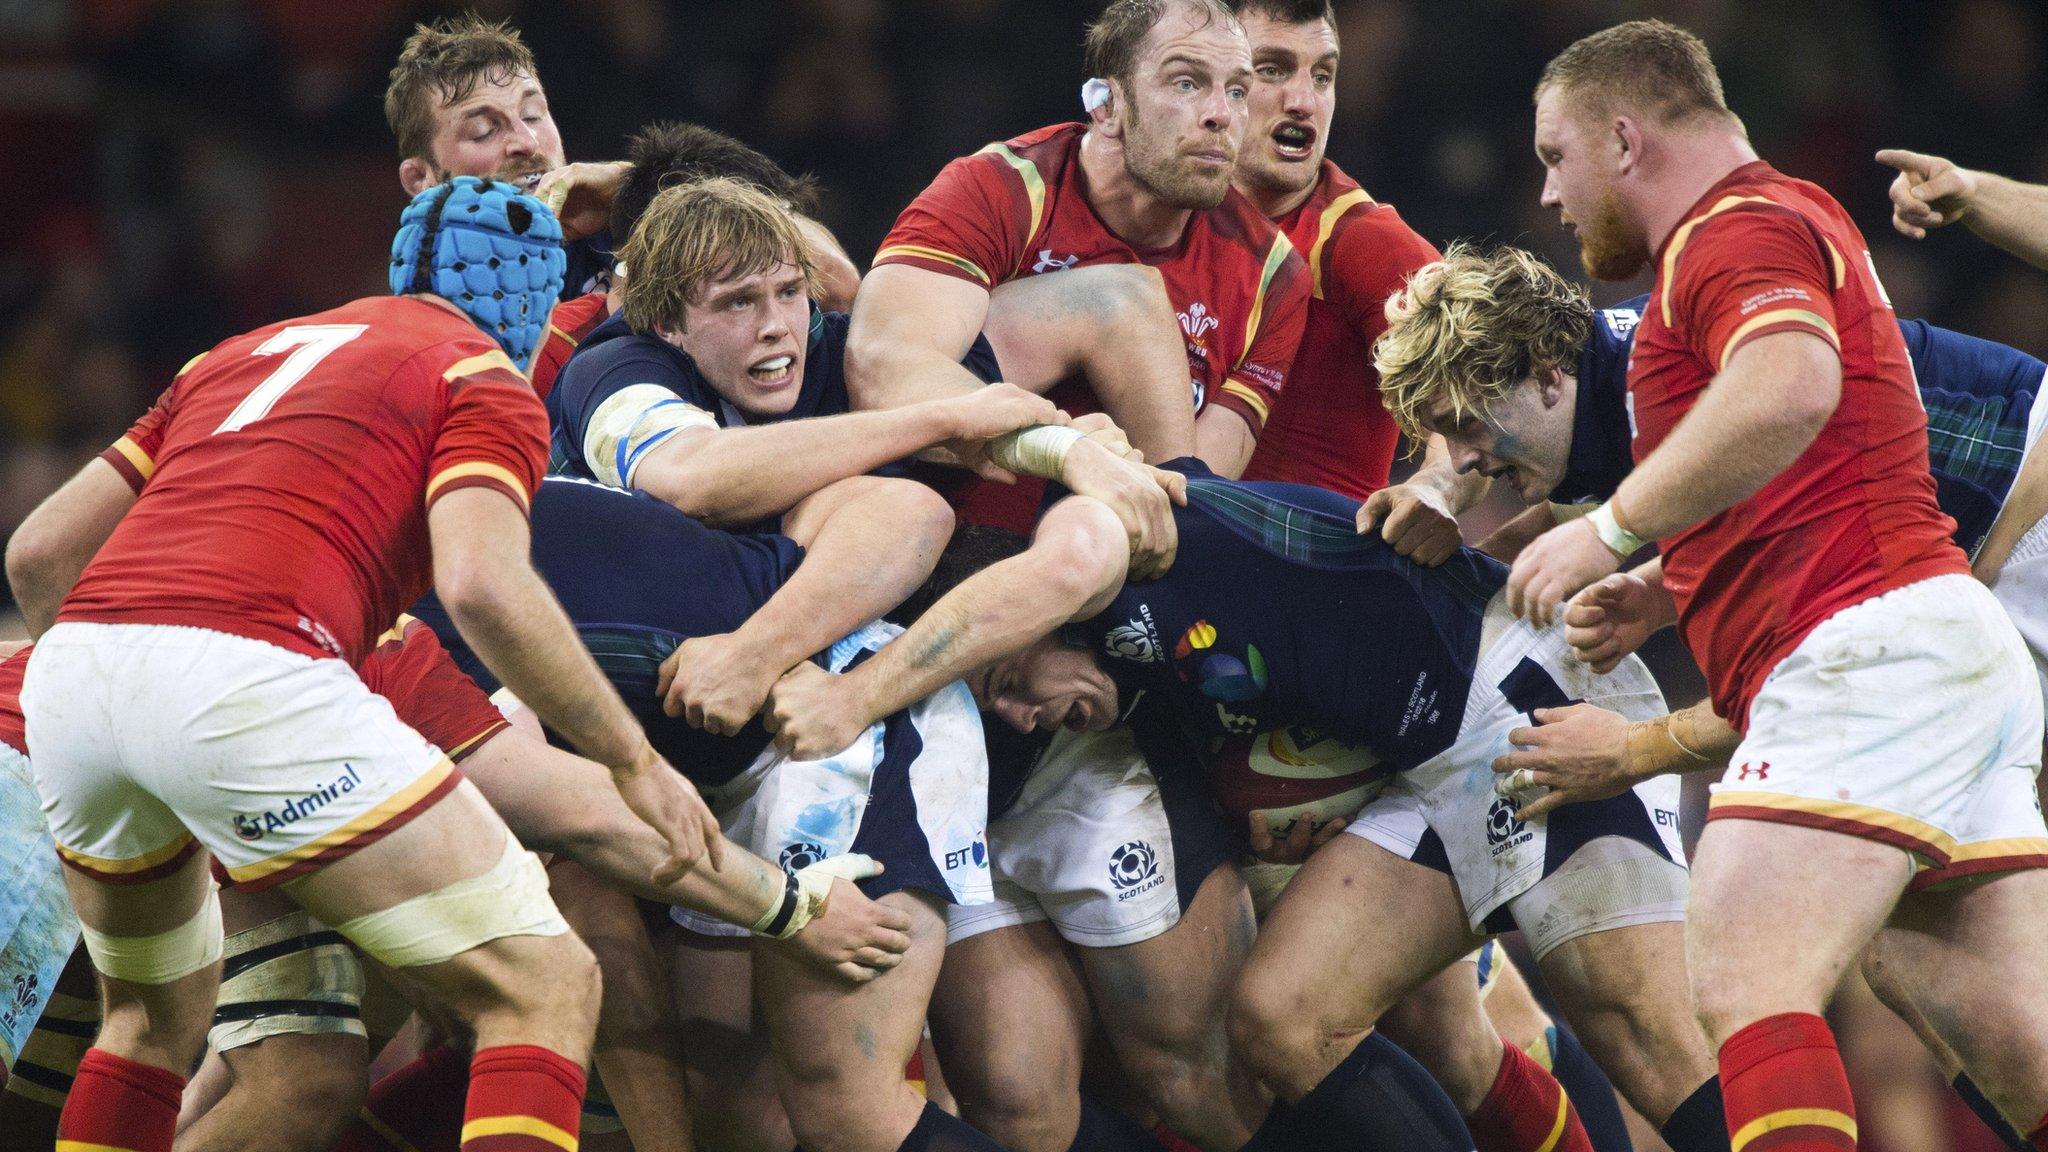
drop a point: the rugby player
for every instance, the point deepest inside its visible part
(212, 637)
(1881, 695)
(1528, 380)
(911, 794)
(37, 929)
(663, 154)
(1156, 959)
(1137, 196)
(718, 389)
(1278, 612)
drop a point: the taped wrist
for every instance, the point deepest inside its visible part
(805, 892)
(1039, 450)
(1618, 538)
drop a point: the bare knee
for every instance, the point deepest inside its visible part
(306, 1090)
(1027, 1106)
(1274, 1029)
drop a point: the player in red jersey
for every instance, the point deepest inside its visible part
(300, 481)
(1121, 190)
(1887, 719)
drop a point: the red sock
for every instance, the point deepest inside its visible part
(522, 1099)
(1526, 1110)
(417, 1108)
(1784, 1089)
(120, 1104)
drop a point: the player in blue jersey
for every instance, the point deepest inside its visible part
(1278, 612)
(718, 389)
(639, 578)
(1527, 381)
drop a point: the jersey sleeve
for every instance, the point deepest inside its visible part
(1749, 272)
(134, 455)
(1272, 336)
(972, 223)
(615, 406)
(495, 433)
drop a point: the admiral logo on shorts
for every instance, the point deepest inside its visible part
(800, 855)
(1134, 869)
(1503, 830)
(261, 824)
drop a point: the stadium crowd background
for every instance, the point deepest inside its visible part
(187, 169)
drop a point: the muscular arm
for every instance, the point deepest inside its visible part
(485, 579)
(1075, 565)
(1507, 541)
(1750, 424)
(2011, 215)
(910, 328)
(50, 550)
(728, 476)
(1224, 441)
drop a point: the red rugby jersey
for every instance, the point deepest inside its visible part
(1329, 429)
(570, 322)
(13, 728)
(285, 475)
(1855, 515)
(1020, 208)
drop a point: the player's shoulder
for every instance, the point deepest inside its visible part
(1047, 148)
(1754, 199)
(612, 349)
(1357, 237)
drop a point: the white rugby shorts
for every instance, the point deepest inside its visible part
(912, 792)
(150, 740)
(37, 928)
(1913, 719)
(1445, 812)
(1087, 845)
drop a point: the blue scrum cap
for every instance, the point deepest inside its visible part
(489, 249)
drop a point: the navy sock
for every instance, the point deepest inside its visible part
(1378, 1100)
(1107, 1130)
(1592, 1094)
(1699, 1124)
(1974, 1097)
(938, 1132)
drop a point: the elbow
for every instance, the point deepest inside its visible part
(35, 561)
(868, 354)
(1083, 553)
(475, 595)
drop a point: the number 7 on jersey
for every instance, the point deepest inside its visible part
(308, 344)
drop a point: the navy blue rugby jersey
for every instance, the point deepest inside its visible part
(1278, 612)
(638, 578)
(1978, 394)
(622, 393)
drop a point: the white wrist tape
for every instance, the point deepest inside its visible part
(804, 897)
(509, 900)
(1618, 539)
(169, 955)
(1039, 450)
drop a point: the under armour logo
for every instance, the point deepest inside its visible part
(1760, 770)
(1046, 262)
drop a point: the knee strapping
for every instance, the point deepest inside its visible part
(167, 956)
(509, 900)
(289, 976)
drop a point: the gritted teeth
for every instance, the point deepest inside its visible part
(772, 367)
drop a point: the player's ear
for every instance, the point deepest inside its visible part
(1628, 136)
(415, 175)
(1108, 116)
(1550, 386)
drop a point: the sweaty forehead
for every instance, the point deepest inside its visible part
(495, 90)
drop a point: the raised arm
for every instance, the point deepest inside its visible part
(1075, 565)
(1932, 192)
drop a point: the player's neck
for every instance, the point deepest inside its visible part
(1275, 203)
(1694, 163)
(442, 302)
(1135, 215)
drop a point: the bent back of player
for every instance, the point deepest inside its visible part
(296, 486)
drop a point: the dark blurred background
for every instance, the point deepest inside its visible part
(184, 170)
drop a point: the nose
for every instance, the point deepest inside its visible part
(1550, 198)
(1464, 457)
(1015, 713)
(1297, 99)
(1217, 111)
(522, 140)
